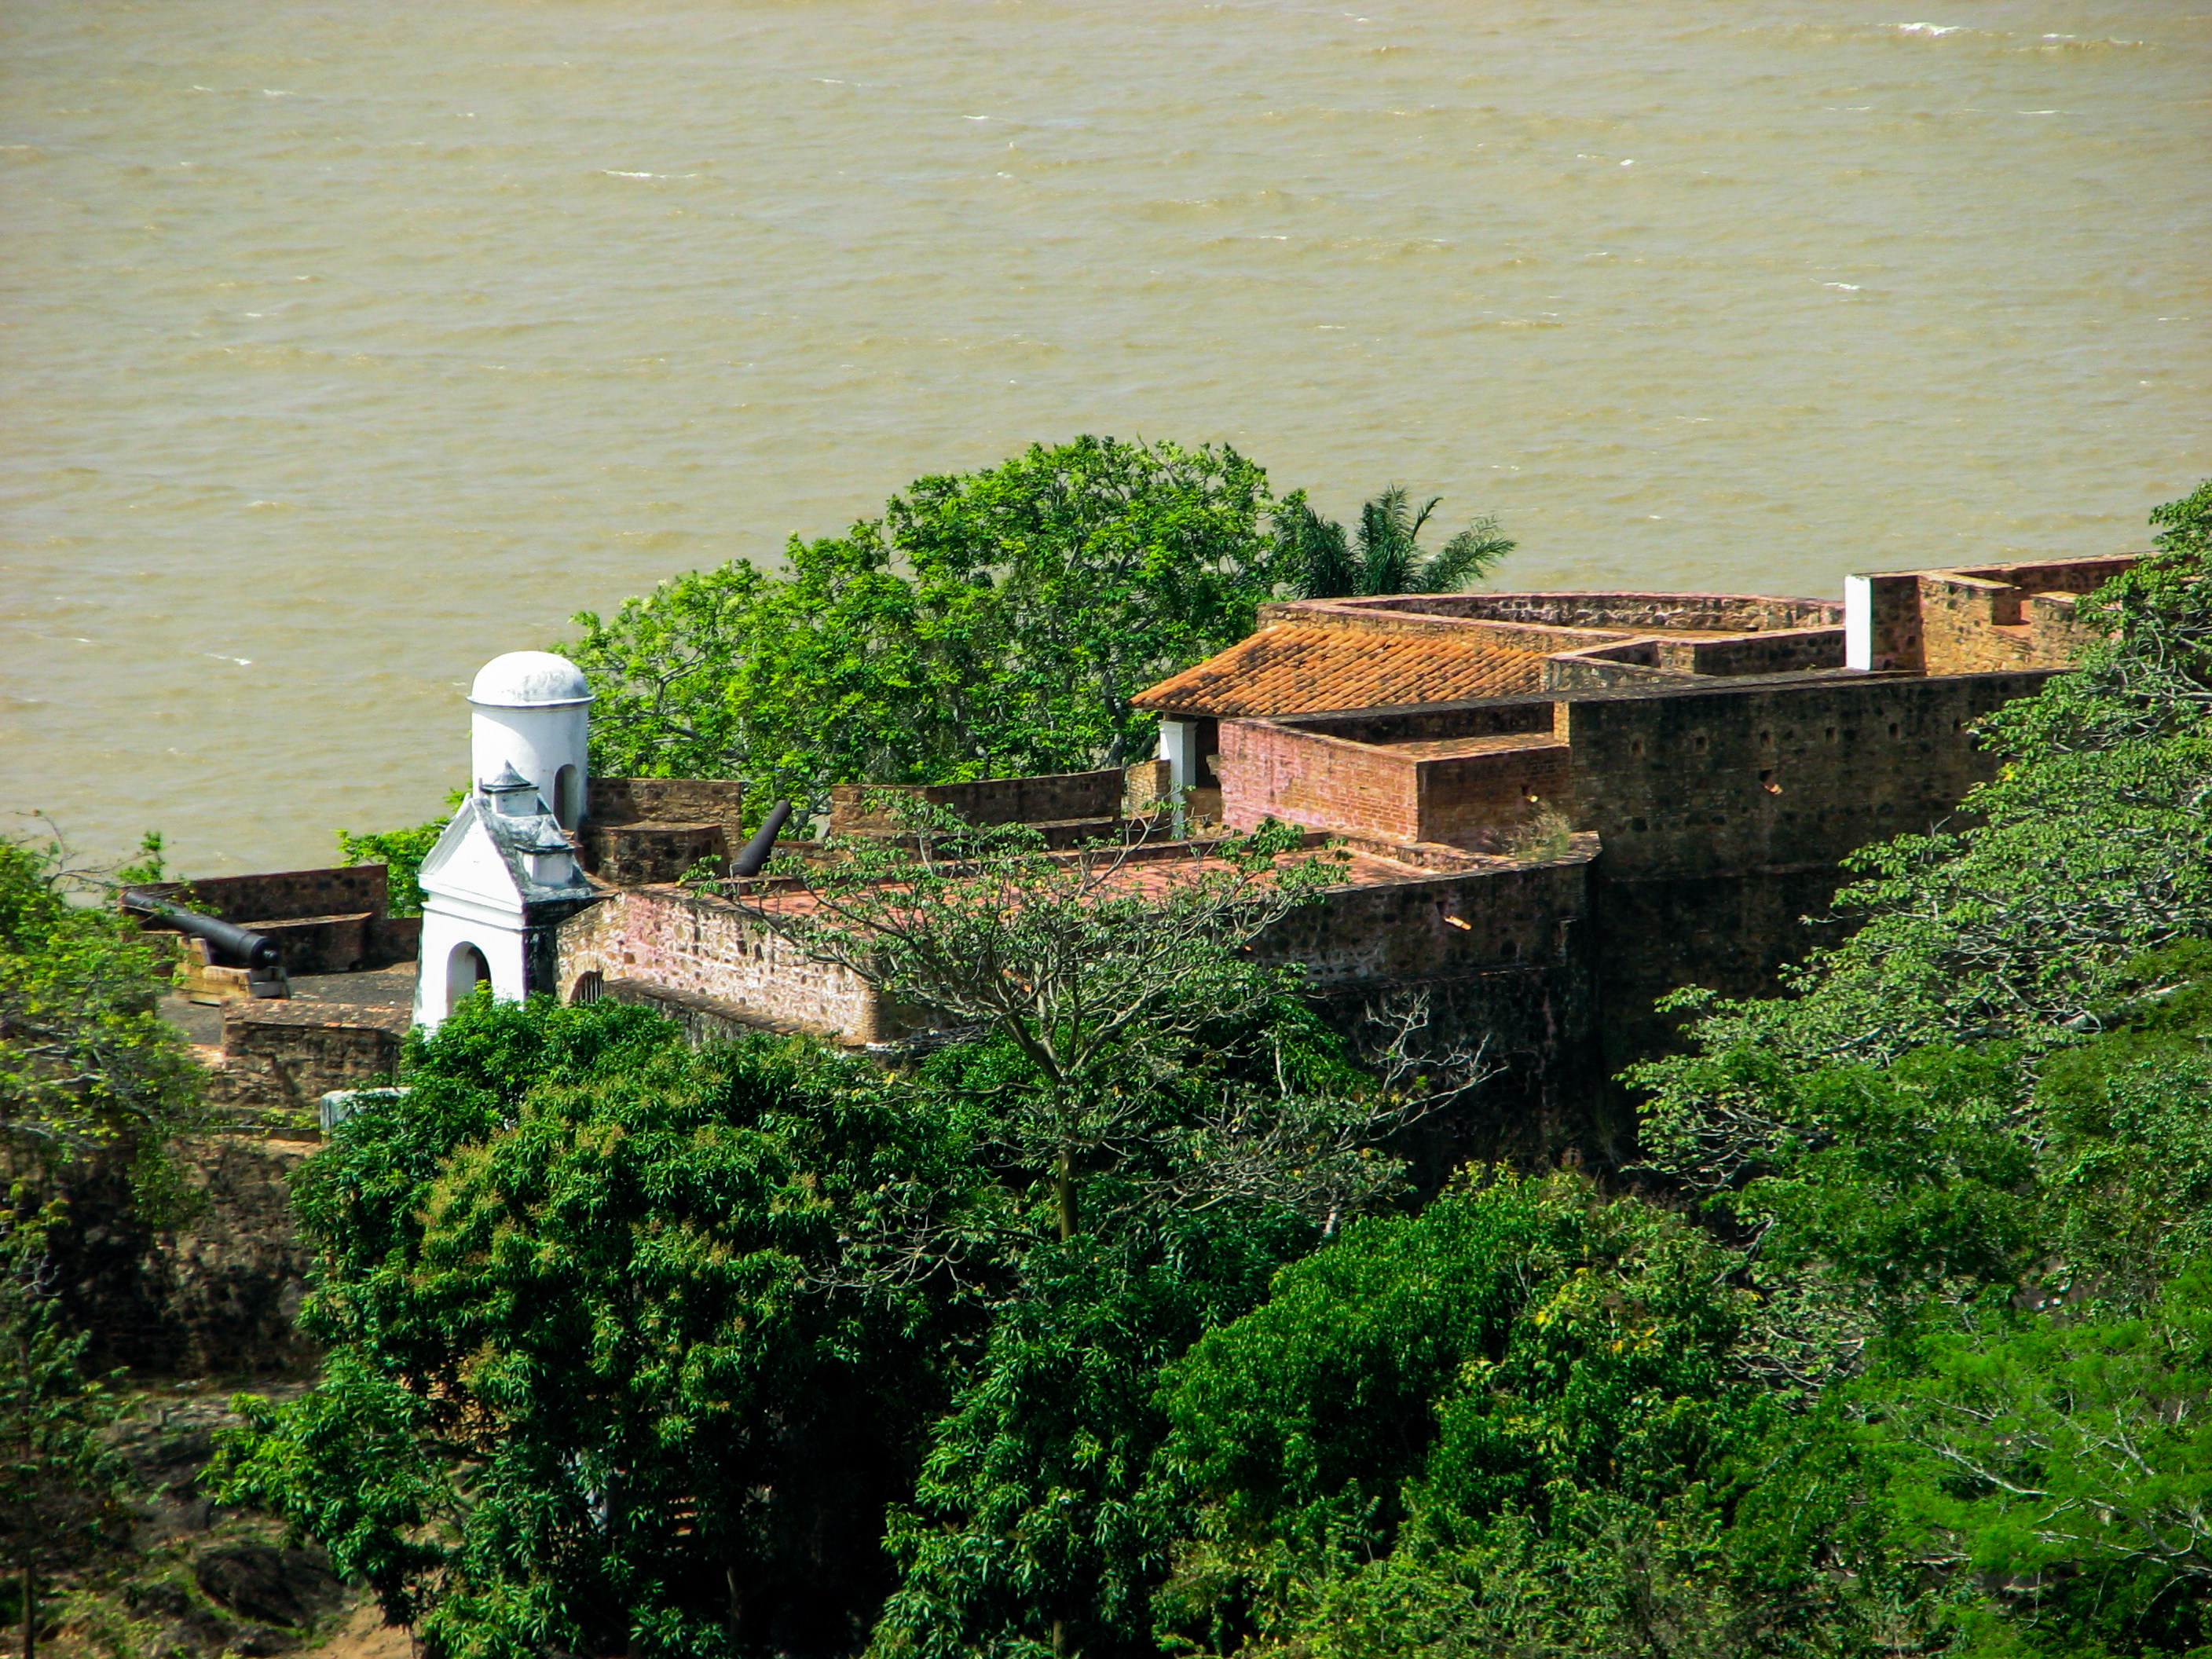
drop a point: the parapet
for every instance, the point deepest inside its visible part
(1975, 618)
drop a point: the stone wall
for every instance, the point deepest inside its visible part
(1622, 612)
(1055, 797)
(639, 855)
(1731, 777)
(326, 921)
(279, 1058)
(1782, 651)
(708, 946)
(666, 800)
(1725, 813)
(213, 1294)
(1503, 955)
(274, 895)
(1979, 619)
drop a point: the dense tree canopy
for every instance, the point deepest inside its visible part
(989, 623)
(85, 1062)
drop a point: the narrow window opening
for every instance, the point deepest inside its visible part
(588, 988)
(565, 803)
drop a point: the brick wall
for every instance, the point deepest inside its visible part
(1726, 778)
(1431, 723)
(665, 800)
(1273, 771)
(1466, 799)
(1053, 797)
(705, 945)
(278, 895)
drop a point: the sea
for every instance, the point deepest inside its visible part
(345, 346)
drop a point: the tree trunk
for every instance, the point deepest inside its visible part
(30, 1610)
(1063, 1187)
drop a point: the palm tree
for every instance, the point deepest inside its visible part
(1324, 565)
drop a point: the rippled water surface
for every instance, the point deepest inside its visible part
(347, 345)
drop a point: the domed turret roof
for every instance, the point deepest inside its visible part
(529, 679)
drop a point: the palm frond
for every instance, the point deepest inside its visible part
(1387, 550)
(1473, 552)
(1314, 550)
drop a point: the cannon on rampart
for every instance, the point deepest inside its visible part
(224, 945)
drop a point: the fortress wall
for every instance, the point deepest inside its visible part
(1780, 651)
(1584, 671)
(1719, 778)
(1430, 723)
(708, 946)
(1638, 613)
(278, 895)
(2061, 576)
(1053, 798)
(1731, 933)
(1459, 798)
(2055, 631)
(1959, 617)
(641, 853)
(1724, 813)
(1518, 976)
(1516, 915)
(665, 800)
(1269, 769)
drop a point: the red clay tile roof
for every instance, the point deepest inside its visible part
(1303, 671)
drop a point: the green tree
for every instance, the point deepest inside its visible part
(1109, 565)
(2066, 1460)
(592, 1383)
(58, 1479)
(1174, 1123)
(1321, 562)
(1112, 973)
(1512, 1424)
(85, 1063)
(990, 624)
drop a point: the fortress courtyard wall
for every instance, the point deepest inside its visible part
(707, 947)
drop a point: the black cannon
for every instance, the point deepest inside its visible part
(236, 947)
(755, 852)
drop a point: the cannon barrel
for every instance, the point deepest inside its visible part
(246, 948)
(748, 862)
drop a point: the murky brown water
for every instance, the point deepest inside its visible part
(347, 345)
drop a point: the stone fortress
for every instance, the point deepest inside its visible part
(1556, 807)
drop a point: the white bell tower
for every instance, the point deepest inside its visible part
(504, 874)
(532, 712)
